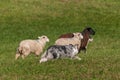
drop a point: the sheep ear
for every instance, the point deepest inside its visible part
(81, 36)
(78, 34)
(39, 37)
(73, 33)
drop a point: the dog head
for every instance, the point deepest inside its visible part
(74, 47)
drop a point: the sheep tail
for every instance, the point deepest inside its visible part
(18, 53)
(20, 50)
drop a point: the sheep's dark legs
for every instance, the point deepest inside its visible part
(83, 49)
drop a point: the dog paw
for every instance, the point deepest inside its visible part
(79, 58)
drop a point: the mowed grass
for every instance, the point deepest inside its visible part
(28, 19)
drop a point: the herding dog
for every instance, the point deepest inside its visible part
(60, 51)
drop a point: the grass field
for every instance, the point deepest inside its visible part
(28, 19)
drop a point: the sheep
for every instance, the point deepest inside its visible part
(74, 40)
(87, 32)
(86, 37)
(31, 46)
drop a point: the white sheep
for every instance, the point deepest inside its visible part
(74, 40)
(31, 46)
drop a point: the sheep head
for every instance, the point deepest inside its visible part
(45, 38)
(79, 35)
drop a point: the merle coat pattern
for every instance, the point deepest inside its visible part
(60, 51)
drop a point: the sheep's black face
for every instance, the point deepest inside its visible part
(91, 31)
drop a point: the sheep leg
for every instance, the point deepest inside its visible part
(79, 50)
(16, 56)
(37, 53)
(25, 54)
(85, 50)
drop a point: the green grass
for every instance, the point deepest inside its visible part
(28, 19)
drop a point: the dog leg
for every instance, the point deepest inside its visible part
(43, 60)
(76, 57)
